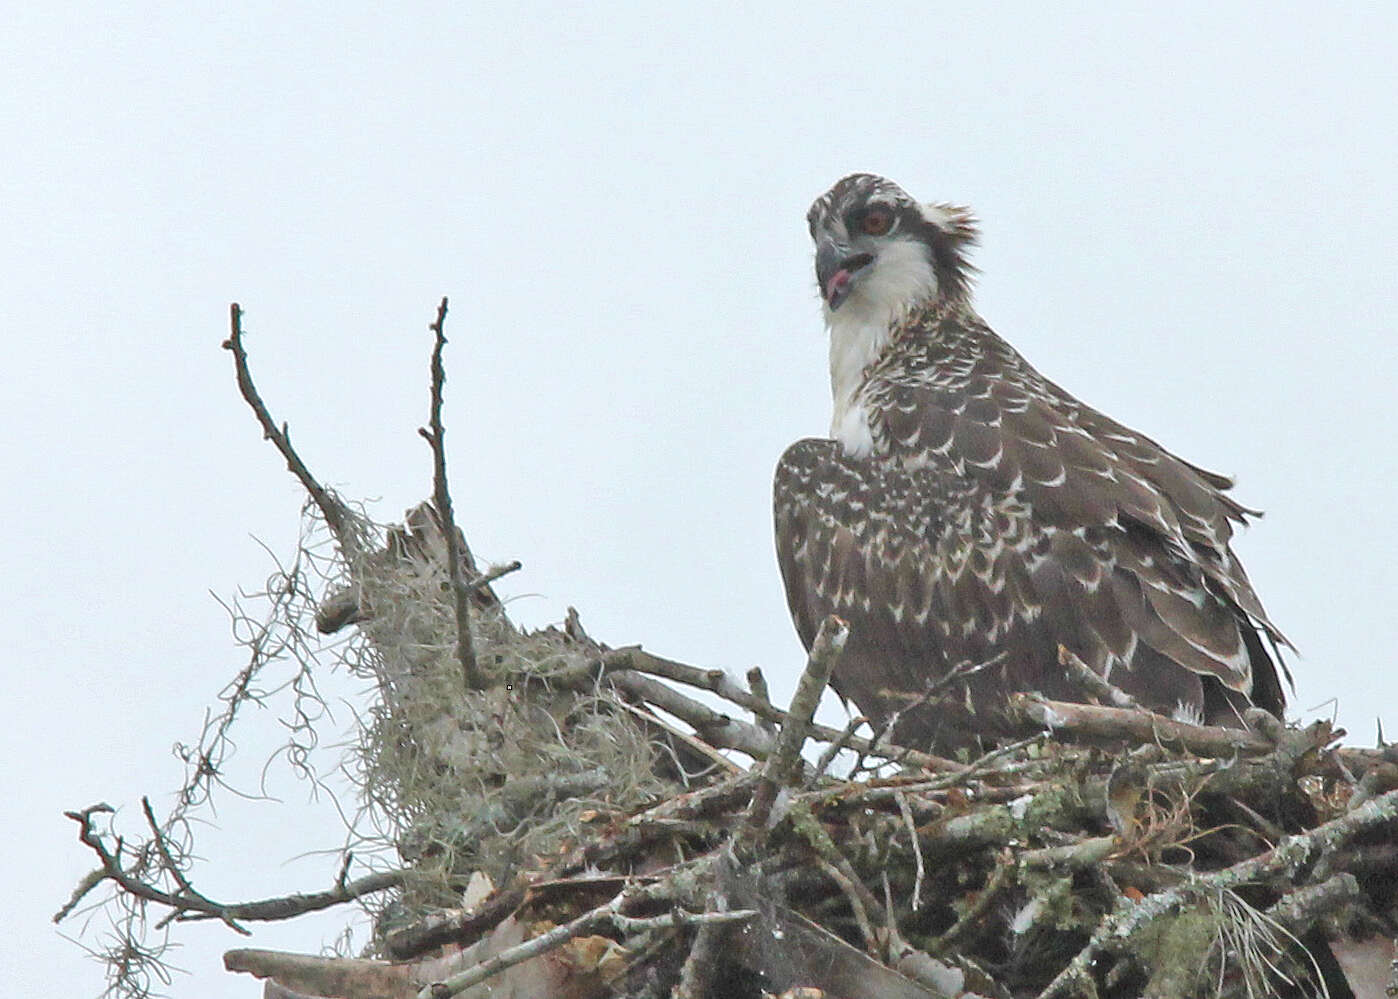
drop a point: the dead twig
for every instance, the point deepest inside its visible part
(703, 957)
(717, 729)
(920, 872)
(961, 774)
(189, 905)
(175, 871)
(435, 435)
(336, 514)
(491, 575)
(1094, 684)
(851, 886)
(974, 916)
(717, 681)
(1287, 857)
(757, 686)
(1091, 721)
(611, 913)
(836, 746)
(783, 767)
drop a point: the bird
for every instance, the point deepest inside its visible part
(973, 523)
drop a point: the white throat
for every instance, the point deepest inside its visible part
(860, 329)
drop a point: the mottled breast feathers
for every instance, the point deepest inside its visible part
(998, 518)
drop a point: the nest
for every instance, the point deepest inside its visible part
(579, 826)
(577, 821)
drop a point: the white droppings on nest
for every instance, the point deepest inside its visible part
(1051, 718)
(1027, 915)
(781, 804)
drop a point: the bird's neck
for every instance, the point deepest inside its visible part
(860, 333)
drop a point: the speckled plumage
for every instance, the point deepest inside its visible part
(984, 516)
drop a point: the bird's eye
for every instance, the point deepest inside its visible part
(877, 221)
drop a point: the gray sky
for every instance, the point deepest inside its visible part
(1190, 221)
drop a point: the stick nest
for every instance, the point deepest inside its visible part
(491, 780)
(578, 822)
(1052, 867)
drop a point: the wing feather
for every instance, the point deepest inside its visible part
(1162, 522)
(999, 518)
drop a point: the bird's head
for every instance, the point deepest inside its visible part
(878, 250)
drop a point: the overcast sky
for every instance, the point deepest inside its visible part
(1190, 221)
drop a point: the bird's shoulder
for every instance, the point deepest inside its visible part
(952, 393)
(817, 481)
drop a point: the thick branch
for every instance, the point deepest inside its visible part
(611, 913)
(757, 687)
(1285, 859)
(825, 653)
(1095, 684)
(1299, 909)
(719, 682)
(783, 766)
(1090, 721)
(717, 729)
(300, 903)
(337, 976)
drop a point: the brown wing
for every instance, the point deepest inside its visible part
(1130, 557)
(932, 577)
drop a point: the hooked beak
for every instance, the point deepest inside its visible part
(836, 270)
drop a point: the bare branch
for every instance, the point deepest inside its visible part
(175, 871)
(1092, 721)
(441, 497)
(717, 729)
(188, 905)
(334, 511)
(850, 885)
(906, 812)
(825, 654)
(611, 913)
(783, 766)
(837, 745)
(491, 575)
(90, 881)
(719, 682)
(757, 686)
(340, 976)
(1284, 859)
(1094, 684)
(1299, 909)
(716, 681)
(699, 965)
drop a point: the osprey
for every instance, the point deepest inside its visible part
(969, 517)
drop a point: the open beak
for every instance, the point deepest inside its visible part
(836, 271)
